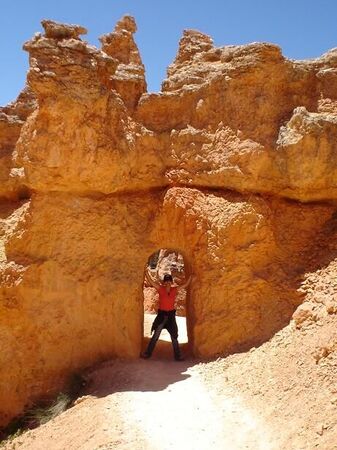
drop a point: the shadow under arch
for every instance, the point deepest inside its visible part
(163, 349)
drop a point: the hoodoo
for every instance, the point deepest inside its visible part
(233, 164)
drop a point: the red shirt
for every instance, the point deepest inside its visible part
(167, 299)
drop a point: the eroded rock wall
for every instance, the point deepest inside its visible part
(100, 174)
(12, 117)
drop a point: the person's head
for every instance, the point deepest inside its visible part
(168, 280)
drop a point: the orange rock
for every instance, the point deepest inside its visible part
(12, 118)
(129, 78)
(101, 174)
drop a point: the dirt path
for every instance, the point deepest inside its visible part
(151, 405)
(187, 415)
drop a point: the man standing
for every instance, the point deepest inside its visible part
(166, 316)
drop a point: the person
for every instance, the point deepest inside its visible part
(166, 315)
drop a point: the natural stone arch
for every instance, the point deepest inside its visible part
(243, 289)
(98, 168)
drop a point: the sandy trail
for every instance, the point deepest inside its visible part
(187, 415)
(156, 404)
(152, 405)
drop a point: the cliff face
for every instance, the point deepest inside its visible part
(12, 117)
(232, 164)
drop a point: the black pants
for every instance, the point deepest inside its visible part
(167, 320)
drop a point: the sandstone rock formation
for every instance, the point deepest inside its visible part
(12, 117)
(232, 164)
(129, 78)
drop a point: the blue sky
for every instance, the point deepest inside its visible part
(304, 29)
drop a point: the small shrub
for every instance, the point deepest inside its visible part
(11, 437)
(44, 411)
(40, 415)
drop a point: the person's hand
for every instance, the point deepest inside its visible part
(186, 283)
(150, 280)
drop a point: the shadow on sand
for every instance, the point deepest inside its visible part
(136, 375)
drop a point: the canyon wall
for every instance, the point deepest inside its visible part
(233, 164)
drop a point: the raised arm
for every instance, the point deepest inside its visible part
(187, 282)
(150, 280)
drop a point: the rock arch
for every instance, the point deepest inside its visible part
(98, 173)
